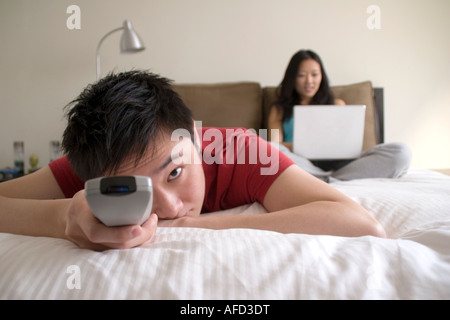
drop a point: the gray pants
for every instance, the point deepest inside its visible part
(388, 160)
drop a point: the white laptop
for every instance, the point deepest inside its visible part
(328, 132)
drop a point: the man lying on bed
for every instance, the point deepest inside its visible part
(124, 125)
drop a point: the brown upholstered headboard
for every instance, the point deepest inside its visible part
(246, 104)
(233, 104)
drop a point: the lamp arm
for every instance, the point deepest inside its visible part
(98, 49)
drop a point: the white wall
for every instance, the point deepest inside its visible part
(44, 65)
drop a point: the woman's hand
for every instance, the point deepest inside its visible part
(85, 230)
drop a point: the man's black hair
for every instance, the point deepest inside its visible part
(119, 116)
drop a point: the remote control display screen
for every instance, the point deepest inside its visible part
(118, 185)
(117, 189)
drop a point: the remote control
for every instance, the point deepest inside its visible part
(120, 200)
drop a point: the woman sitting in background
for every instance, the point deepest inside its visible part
(306, 83)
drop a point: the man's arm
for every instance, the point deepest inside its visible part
(298, 203)
(317, 207)
(34, 205)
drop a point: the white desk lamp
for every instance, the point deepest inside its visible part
(129, 42)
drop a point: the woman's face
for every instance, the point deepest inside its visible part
(308, 80)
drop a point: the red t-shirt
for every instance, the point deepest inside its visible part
(235, 161)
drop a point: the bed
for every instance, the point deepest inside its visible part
(186, 263)
(236, 264)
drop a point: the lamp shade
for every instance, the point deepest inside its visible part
(130, 41)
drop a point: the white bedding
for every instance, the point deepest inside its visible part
(185, 263)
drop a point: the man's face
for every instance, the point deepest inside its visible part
(178, 184)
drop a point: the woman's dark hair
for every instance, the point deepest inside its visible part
(121, 115)
(287, 96)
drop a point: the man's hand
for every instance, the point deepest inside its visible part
(85, 230)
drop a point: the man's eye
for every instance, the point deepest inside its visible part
(174, 173)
